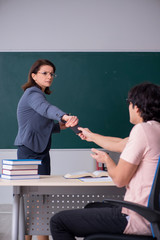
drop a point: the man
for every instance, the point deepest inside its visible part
(135, 170)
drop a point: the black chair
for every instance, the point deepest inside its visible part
(151, 213)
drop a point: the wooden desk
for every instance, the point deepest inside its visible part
(54, 188)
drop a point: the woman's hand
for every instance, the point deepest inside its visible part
(85, 134)
(70, 121)
(62, 126)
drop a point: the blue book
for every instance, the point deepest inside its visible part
(18, 177)
(21, 161)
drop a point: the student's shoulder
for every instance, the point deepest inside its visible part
(138, 129)
(139, 125)
(151, 127)
(142, 129)
(145, 125)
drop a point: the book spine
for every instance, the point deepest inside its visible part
(19, 167)
(19, 172)
(35, 176)
(21, 162)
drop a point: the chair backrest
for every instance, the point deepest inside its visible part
(154, 197)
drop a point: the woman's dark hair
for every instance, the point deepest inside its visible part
(146, 97)
(34, 69)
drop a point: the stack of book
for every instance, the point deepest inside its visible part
(20, 168)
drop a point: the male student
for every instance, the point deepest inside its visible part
(135, 170)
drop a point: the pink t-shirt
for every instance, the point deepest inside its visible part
(143, 149)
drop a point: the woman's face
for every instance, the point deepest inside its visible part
(44, 77)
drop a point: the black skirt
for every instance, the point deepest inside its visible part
(25, 153)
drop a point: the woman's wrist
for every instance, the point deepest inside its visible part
(64, 118)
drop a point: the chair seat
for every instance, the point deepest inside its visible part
(118, 237)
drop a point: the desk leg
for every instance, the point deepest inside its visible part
(21, 219)
(15, 216)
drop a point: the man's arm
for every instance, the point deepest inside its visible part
(110, 143)
(120, 173)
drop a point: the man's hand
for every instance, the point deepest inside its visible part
(85, 134)
(99, 156)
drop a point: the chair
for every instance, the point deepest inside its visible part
(151, 213)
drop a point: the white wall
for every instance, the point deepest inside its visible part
(80, 25)
(77, 25)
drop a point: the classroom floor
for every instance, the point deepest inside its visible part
(6, 223)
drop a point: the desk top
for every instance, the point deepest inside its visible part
(52, 181)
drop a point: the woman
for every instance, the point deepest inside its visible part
(36, 117)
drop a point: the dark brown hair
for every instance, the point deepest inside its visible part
(146, 96)
(34, 69)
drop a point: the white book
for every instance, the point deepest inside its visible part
(21, 161)
(19, 167)
(20, 172)
(97, 179)
(95, 174)
(3, 176)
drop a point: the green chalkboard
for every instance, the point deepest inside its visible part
(91, 85)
